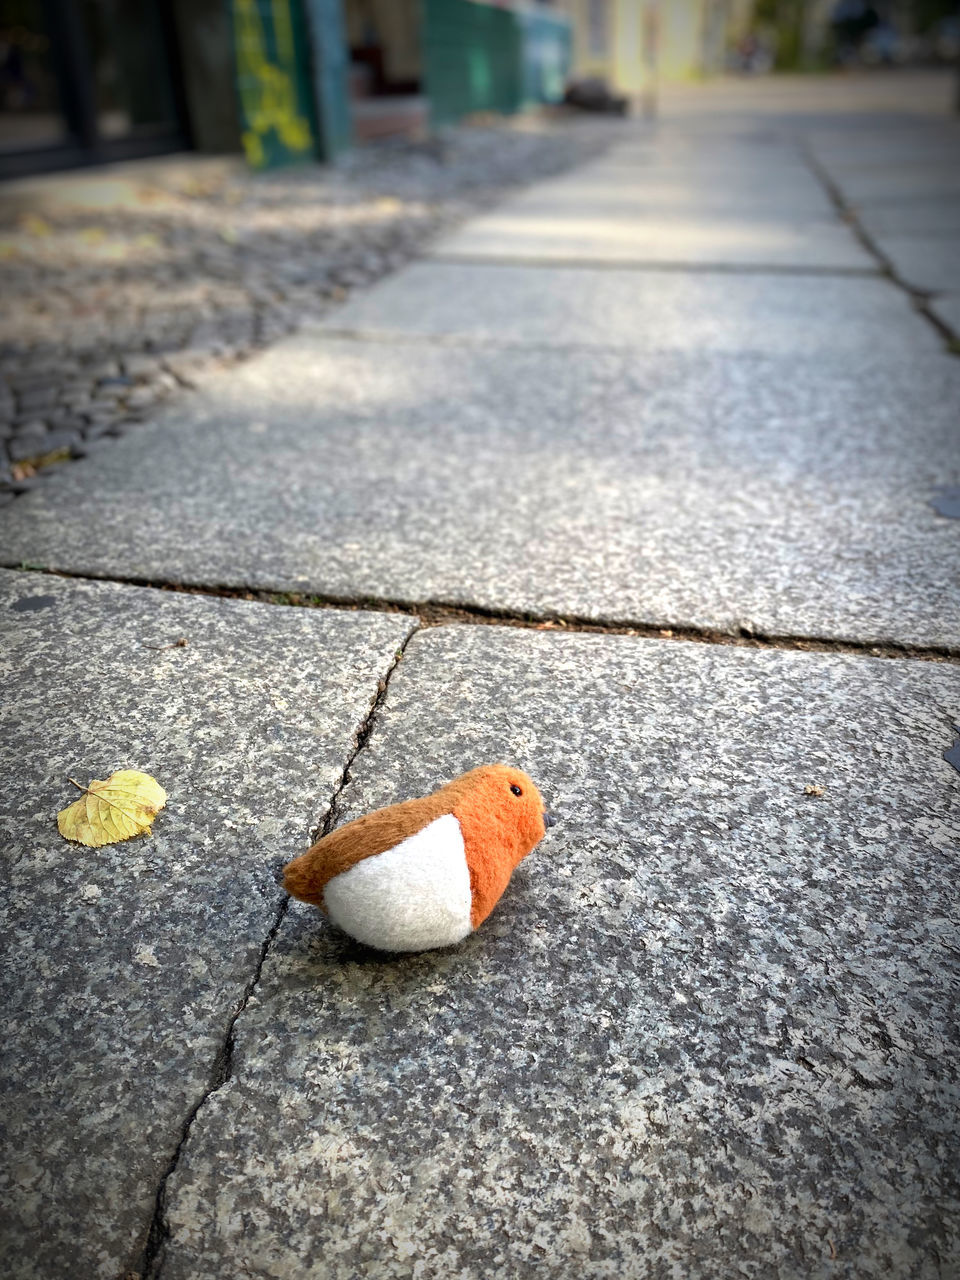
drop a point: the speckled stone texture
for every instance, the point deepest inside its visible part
(673, 175)
(123, 965)
(650, 311)
(947, 309)
(902, 184)
(600, 234)
(657, 215)
(924, 263)
(709, 1032)
(785, 497)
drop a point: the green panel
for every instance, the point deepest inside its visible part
(547, 52)
(330, 75)
(273, 82)
(472, 58)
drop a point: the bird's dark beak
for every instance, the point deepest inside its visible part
(549, 820)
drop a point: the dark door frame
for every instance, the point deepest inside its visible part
(73, 70)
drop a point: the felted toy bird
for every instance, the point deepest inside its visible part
(426, 872)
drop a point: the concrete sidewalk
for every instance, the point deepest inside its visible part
(697, 398)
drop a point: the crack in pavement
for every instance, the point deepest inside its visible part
(440, 613)
(153, 1257)
(154, 1252)
(362, 738)
(919, 298)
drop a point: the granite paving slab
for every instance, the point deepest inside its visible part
(932, 143)
(713, 171)
(725, 203)
(905, 190)
(947, 308)
(709, 1032)
(938, 219)
(734, 156)
(668, 195)
(880, 170)
(600, 233)
(124, 964)
(794, 194)
(785, 497)
(889, 187)
(925, 262)
(743, 314)
(676, 205)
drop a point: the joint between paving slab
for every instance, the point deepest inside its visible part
(919, 298)
(392, 338)
(477, 342)
(427, 614)
(154, 1253)
(643, 266)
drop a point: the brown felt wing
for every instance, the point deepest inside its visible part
(306, 877)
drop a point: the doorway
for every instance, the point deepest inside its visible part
(384, 39)
(87, 81)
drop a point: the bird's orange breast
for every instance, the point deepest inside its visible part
(488, 855)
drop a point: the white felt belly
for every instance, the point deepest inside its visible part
(411, 898)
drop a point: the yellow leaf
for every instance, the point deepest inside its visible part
(35, 226)
(118, 809)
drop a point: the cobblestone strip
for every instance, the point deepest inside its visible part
(110, 310)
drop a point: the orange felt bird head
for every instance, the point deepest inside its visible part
(426, 872)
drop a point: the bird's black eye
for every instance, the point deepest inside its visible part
(516, 790)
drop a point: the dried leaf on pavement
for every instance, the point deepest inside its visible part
(117, 809)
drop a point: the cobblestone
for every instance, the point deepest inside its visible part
(111, 309)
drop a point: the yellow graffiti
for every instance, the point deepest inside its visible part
(267, 91)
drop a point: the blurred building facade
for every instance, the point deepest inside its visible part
(816, 34)
(85, 81)
(633, 43)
